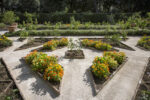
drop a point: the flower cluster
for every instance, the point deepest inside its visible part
(53, 44)
(145, 42)
(63, 42)
(50, 45)
(101, 65)
(96, 44)
(54, 72)
(46, 65)
(4, 41)
(118, 56)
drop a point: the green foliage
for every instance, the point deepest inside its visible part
(2, 26)
(115, 38)
(28, 17)
(24, 34)
(71, 44)
(145, 42)
(4, 41)
(118, 56)
(79, 32)
(9, 17)
(96, 44)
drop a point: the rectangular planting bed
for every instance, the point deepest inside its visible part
(8, 90)
(98, 84)
(74, 54)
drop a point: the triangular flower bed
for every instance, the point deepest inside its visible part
(54, 85)
(34, 43)
(98, 84)
(119, 45)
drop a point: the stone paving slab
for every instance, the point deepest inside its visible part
(76, 84)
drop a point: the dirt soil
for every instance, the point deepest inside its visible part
(5, 80)
(144, 89)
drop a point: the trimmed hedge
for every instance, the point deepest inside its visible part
(44, 27)
(80, 32)
(82, 17)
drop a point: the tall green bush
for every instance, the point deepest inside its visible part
(9, 17)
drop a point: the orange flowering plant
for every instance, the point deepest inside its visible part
(100, 70)
(29, 57)
(41, 62)
(63, 42)
(53, 44)
(118, 56)
(96, 44)
(54, 72)
(50, 45)
(46, 65)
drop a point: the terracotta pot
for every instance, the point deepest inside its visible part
(15, 25)
(12, 28)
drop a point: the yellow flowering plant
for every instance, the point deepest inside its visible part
(100, 70)
(41, 62)
(145, 42)
(50, 45)
(46, 65)
(54, 72)
(4, 41)
(63, 42)
(53, 44)
(96, 44)
(118, 56)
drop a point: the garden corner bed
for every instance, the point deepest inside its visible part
(143, 89)
(33, 42)
(144, 43)
(106, 73)
(47, 68)
(104, 40)
(8, 90)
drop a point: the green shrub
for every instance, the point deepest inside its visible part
(2, 26)
(4, 41)
(118, 56)
(41, 62)
(100, 70)
(113, 64)
(80, 32)
(9, 17)
(24, 34)
(96, 44)
(145, 42)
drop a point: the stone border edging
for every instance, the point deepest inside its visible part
(110, 77)
(141, 78)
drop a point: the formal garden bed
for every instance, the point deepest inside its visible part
(4, 42)
(104, 68)
(8, 90)
(105, 43)
(33, 42)
(144, 43)
(47, 68)
(115, 29)
(53, 45)
(143, 92)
